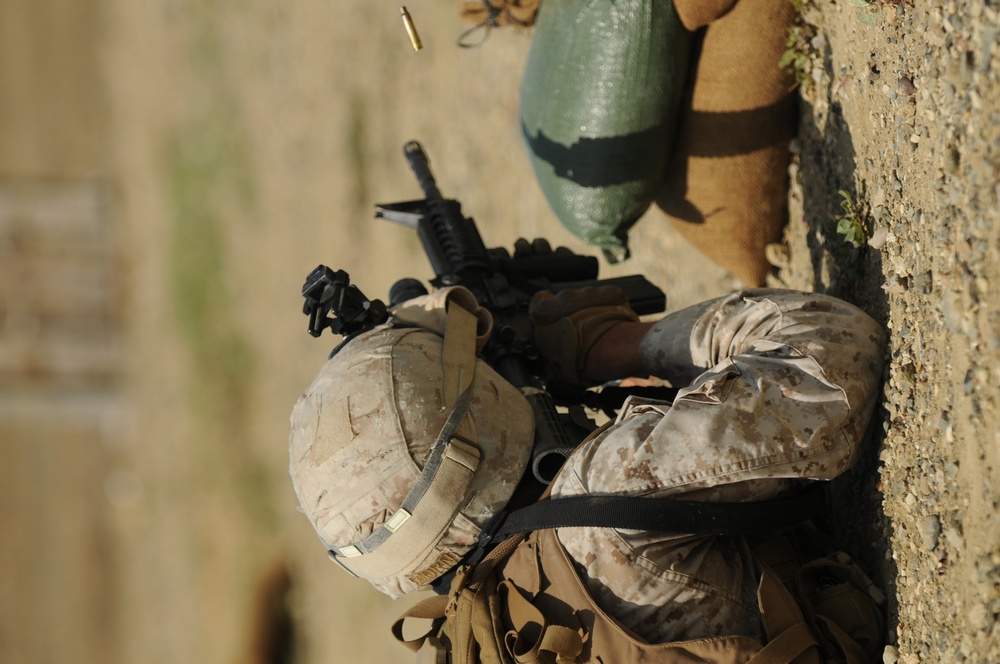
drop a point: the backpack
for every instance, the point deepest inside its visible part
(523, 602)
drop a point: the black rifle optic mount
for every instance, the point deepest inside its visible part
(328, 292)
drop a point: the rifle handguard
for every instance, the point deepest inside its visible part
(569, 323)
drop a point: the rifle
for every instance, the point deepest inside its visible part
(502, 283)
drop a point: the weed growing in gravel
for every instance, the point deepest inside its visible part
(850, 222)
(867, 10)
(799, 52)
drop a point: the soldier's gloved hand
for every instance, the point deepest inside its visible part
(569, 323)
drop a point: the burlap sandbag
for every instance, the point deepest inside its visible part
(725, 183)
(725, 187)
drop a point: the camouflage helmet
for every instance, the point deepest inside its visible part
(406, 444)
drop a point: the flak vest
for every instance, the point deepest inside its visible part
(525, 603)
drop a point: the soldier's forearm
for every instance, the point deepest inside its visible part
(616, 353)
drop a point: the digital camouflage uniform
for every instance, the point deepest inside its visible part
(781, 386)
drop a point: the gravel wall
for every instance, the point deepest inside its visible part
(899, 137)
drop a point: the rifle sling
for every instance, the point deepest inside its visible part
(667, 515)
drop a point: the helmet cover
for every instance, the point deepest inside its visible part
(362, 432)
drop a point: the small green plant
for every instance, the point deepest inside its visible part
(799, 52)
(850, 222)
(867, 10)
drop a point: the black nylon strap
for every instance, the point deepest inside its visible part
(682, 517)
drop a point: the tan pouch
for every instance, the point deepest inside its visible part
(843, 605)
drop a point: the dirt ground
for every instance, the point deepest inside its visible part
(243, 142)
(900, 111)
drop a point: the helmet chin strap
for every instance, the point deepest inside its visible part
(408, 537)
(459, 354)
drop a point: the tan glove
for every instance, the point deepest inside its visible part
(569, 323)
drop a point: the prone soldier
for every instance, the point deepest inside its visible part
(410, 451)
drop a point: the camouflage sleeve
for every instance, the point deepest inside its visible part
(780, 385)
(780, 388)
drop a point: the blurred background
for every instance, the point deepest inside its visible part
(170, 170)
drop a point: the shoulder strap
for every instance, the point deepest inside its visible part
(457, 606)
(432, 609)
(668, 515)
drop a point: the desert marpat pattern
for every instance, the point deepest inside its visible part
(781, 386)
(361, 433)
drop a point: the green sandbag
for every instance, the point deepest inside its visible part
(599, 107)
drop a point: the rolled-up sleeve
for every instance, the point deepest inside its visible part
(779, 384)
(778, 388)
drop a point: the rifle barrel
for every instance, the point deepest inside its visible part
(421, 167)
